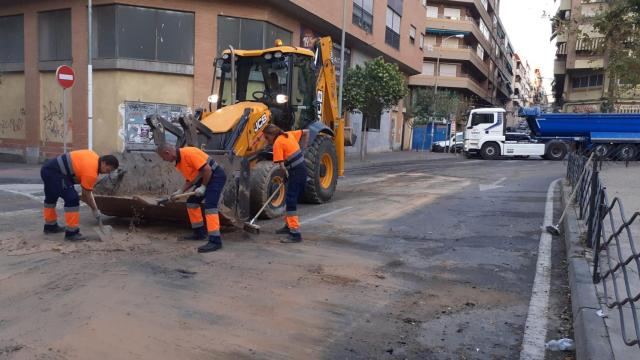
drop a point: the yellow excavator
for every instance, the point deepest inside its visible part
(294, 88)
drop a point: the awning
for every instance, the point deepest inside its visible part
(446, 32)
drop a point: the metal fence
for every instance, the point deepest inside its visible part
(610, 233)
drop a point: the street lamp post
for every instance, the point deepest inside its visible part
(435, 91)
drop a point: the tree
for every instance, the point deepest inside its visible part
(427, 104)
(620, 26)
(371, 89)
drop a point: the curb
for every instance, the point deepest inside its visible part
(590, 332)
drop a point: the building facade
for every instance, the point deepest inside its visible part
(156, 56)
(467, 51)
(581, 83)
(522, 89)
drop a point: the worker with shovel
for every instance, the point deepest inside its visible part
(287, 153)
(208, 178)
(59, 175)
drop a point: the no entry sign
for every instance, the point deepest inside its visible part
(65, 76)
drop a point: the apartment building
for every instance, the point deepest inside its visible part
(156, 56)
(581, 83)
(467, 51)
(523, 89)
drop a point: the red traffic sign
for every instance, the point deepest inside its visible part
(65, 76)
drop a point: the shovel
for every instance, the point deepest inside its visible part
(162, 201)
(105, 232)
(251, 225)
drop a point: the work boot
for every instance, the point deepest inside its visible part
(198, 234)
(73, 236)
(292, 238)
(214, 244)
(53, 229)
(283, 230)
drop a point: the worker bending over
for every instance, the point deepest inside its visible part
(208, 178)
(59, 175)
(287, 153)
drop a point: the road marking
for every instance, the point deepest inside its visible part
(535, 329)
(32, 197)
(325, 215)
(494, 185)
(468, 162)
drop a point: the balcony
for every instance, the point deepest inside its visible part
(465, 25)
(458, 52)
(457, 82)
(592, 45)
(560, 67)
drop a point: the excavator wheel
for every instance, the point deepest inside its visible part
(322, 170)
(265, 179)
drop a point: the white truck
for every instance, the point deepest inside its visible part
(485, 135)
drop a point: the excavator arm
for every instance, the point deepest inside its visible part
(326, 96)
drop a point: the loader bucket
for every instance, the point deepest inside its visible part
(147, 176)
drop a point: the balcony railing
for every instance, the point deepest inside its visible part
(590, 44)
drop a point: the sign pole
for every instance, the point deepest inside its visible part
(64, 119)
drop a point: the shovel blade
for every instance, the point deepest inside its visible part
(105, 232)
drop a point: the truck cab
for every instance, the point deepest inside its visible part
(485, 135)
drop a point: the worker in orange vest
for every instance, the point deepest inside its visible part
(59, 175)
(208, 178)
(288, 154)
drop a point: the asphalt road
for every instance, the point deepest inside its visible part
(418, 260)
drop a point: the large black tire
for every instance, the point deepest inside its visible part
(490, 151)
(322, 170)
(626, 152)
(265, 179)
(555, 151)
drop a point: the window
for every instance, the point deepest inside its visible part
(138, 33)
(421, 43)
(587, 81)
(432, 11)
(484, 30)
(392, 32)
(373, 124)
(448, 70)
(480, 51)
(427, 68)
(477, 119)
(11, 39)
(363, 14)
(54, 35)
(248, 34)
(451, 13)
(412, 35)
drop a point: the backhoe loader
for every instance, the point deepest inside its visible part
(292, 87)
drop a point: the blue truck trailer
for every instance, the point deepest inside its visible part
(553, 134)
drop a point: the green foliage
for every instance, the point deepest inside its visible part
(373, 88)
(426, 104)
(620, 25)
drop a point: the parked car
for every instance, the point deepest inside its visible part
(457, 143)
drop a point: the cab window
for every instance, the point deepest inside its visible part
(477, 119)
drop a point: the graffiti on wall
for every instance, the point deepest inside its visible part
(53, 122)
(12, 126)
(138, 135)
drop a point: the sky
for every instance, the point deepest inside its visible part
(529, 33)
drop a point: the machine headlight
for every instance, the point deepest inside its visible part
(277, 55)
(213, 98)
(268, 56)
(225, 56)
(281, 99)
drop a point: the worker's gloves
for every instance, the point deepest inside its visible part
(201, 190)
(175, 193)
(97, 214)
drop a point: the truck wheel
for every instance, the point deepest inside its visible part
(322, 170)
(265, 179)
(602, 150)
(556, 151)
(627, 152)
(490, 151)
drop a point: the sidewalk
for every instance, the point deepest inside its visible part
(18, 173)
(352, 161)
(597, 337)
